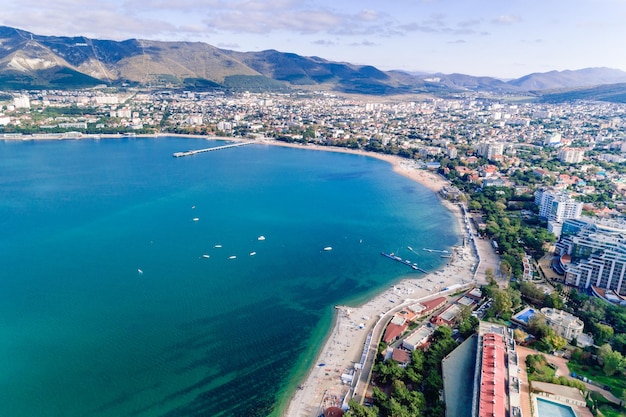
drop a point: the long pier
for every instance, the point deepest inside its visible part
(215, 148)
(402, 261)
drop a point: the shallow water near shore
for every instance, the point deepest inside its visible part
(135, 283)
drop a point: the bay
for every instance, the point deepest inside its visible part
(135, 283)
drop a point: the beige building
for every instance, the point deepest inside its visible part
(571, 155)
(418, 338)
(563, 323)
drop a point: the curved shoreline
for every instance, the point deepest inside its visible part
(345, 344)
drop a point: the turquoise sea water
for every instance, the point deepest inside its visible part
(195, 333)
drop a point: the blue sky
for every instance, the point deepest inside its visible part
(501, 38)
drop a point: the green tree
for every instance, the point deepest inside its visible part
(396, 409)
(555, 341)
(515, 296)
(474, 206)
(602, 332)
(388, 371)
(613, 362)
(506, 269)
(413, 377)
(417, 361)
(411, 401)
(538, 327)
(358, 410)
(519, 335)
(554, 300)
(502, 303)
(468, 326)
(532, 293)
(433, 384)
(619, 343)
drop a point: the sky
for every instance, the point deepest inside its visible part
(498, 38)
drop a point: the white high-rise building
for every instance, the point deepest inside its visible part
(571, 155)
(21, 102)
(489, 150)
(557, 207)
(553, 140)
(597, 250)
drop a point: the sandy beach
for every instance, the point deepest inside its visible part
(327, 383)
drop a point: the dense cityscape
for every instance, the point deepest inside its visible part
(543, 184)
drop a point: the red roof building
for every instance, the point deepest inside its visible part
(333, 412)
(426, 307)
(403, 357)
(393, 332)
(492, 400)
(447, 316)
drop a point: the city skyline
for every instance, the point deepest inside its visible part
(480, 38)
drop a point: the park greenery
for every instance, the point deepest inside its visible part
(539, 369)
(504, 224)
(601, 406)
(414, 391)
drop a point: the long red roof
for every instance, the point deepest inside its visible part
(433, 304)
(493, 377)
(393, 331)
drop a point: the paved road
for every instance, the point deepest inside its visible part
(489, 259)
(522, 352)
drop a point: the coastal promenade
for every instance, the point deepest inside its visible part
(333, 379)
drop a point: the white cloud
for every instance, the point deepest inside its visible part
(507, 20)
(368, 15)
(363, 43)
(324, 42)
(302, 20)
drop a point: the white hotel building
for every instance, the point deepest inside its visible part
(557, 207)
(598, 254)
(571, 155)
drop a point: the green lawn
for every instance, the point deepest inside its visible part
(617, 382)
(607, 408)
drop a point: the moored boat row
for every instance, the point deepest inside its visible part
(402, 261)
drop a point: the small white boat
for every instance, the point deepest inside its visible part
(205, 256)
(252, 253)
(327, 248)
(232, 257)
(139, 271)
(195, 219)
(217, 246)
(261, 238)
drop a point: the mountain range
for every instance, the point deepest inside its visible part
(30, 61)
